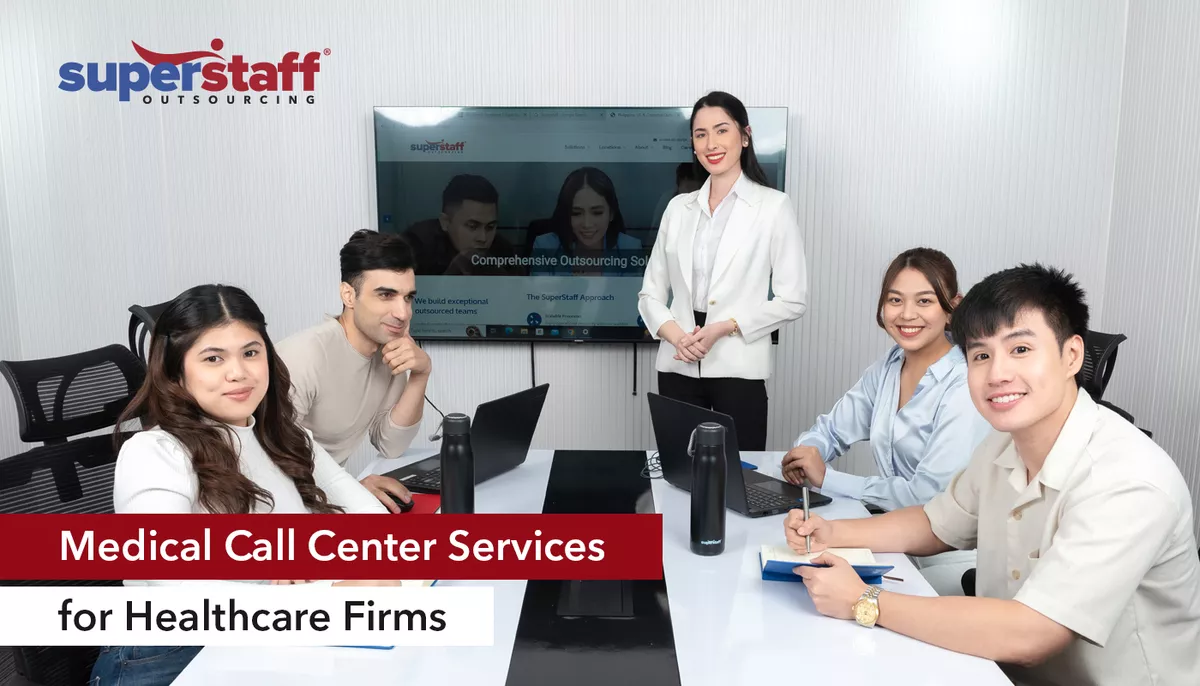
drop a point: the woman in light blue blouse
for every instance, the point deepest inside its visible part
(912, 405)
(588, 226)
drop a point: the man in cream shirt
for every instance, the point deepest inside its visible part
(1087, 564)
(361, 374)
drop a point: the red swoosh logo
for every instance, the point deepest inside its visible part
(175, 58)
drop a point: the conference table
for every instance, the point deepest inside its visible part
(710, 620)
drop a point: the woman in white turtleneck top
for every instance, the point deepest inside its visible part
(154, 474)
(222, 439)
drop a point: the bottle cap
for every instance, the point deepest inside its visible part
(710, 434)
(456, 424)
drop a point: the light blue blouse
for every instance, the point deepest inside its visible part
(918, 449)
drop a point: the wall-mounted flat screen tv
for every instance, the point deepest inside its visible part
(536, 223)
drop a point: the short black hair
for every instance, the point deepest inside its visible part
(367, 250)
(468, 187)
(996, 301)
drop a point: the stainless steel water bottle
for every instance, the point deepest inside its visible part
(458, 466)
(708, 490)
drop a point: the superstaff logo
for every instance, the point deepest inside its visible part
(204, 70)
(438, 146)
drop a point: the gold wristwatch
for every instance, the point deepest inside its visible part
(736, 328)
(866, 610)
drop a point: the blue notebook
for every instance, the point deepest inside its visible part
(777, 564)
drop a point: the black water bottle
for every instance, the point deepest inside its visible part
(708, 490)
(458, 466)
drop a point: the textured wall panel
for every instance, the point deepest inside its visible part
(987, 130)
(1154, 249)
(10, 344)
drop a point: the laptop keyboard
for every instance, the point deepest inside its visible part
(762, 500)
(429, 479)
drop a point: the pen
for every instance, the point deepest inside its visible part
(807, 539)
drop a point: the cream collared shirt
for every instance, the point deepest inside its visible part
(1101, 542)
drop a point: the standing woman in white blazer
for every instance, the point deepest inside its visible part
(720, 253)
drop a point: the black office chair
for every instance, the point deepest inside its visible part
(141, 324)
(1099, 360)
(8, 669)
(58, 400)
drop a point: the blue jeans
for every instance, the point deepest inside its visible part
(141, 665)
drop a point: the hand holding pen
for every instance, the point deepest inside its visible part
(806, 535)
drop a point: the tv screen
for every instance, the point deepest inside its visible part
(536, 223)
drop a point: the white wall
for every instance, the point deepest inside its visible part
(988, 131)
(10, 346)
(1154, 249)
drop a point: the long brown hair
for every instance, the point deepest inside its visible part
(163, 402)
(933, 265)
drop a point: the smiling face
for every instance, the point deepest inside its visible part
(911, 312)
(1021, 380)
(381, 306)
(590, 217)
(226, 371)
(717, 141)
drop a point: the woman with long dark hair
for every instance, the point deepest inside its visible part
(720, 254)
(587, 225)
(220, 437)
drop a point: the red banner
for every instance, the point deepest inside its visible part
(365, 546)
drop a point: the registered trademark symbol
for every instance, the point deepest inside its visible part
(328, 51)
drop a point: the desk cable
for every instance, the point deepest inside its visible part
(437, 433)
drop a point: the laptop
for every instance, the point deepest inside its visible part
(501, 432)
(747, 491)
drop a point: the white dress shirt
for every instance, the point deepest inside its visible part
(709, 230)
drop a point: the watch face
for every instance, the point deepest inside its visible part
(865, 612)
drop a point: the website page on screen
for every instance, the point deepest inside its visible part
(537, 224)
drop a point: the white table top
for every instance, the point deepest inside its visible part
(730, 626)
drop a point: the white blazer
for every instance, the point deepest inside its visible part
(761, 252)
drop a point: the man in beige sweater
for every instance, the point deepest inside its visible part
(361, 374)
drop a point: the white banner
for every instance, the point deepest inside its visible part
(246, 615)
